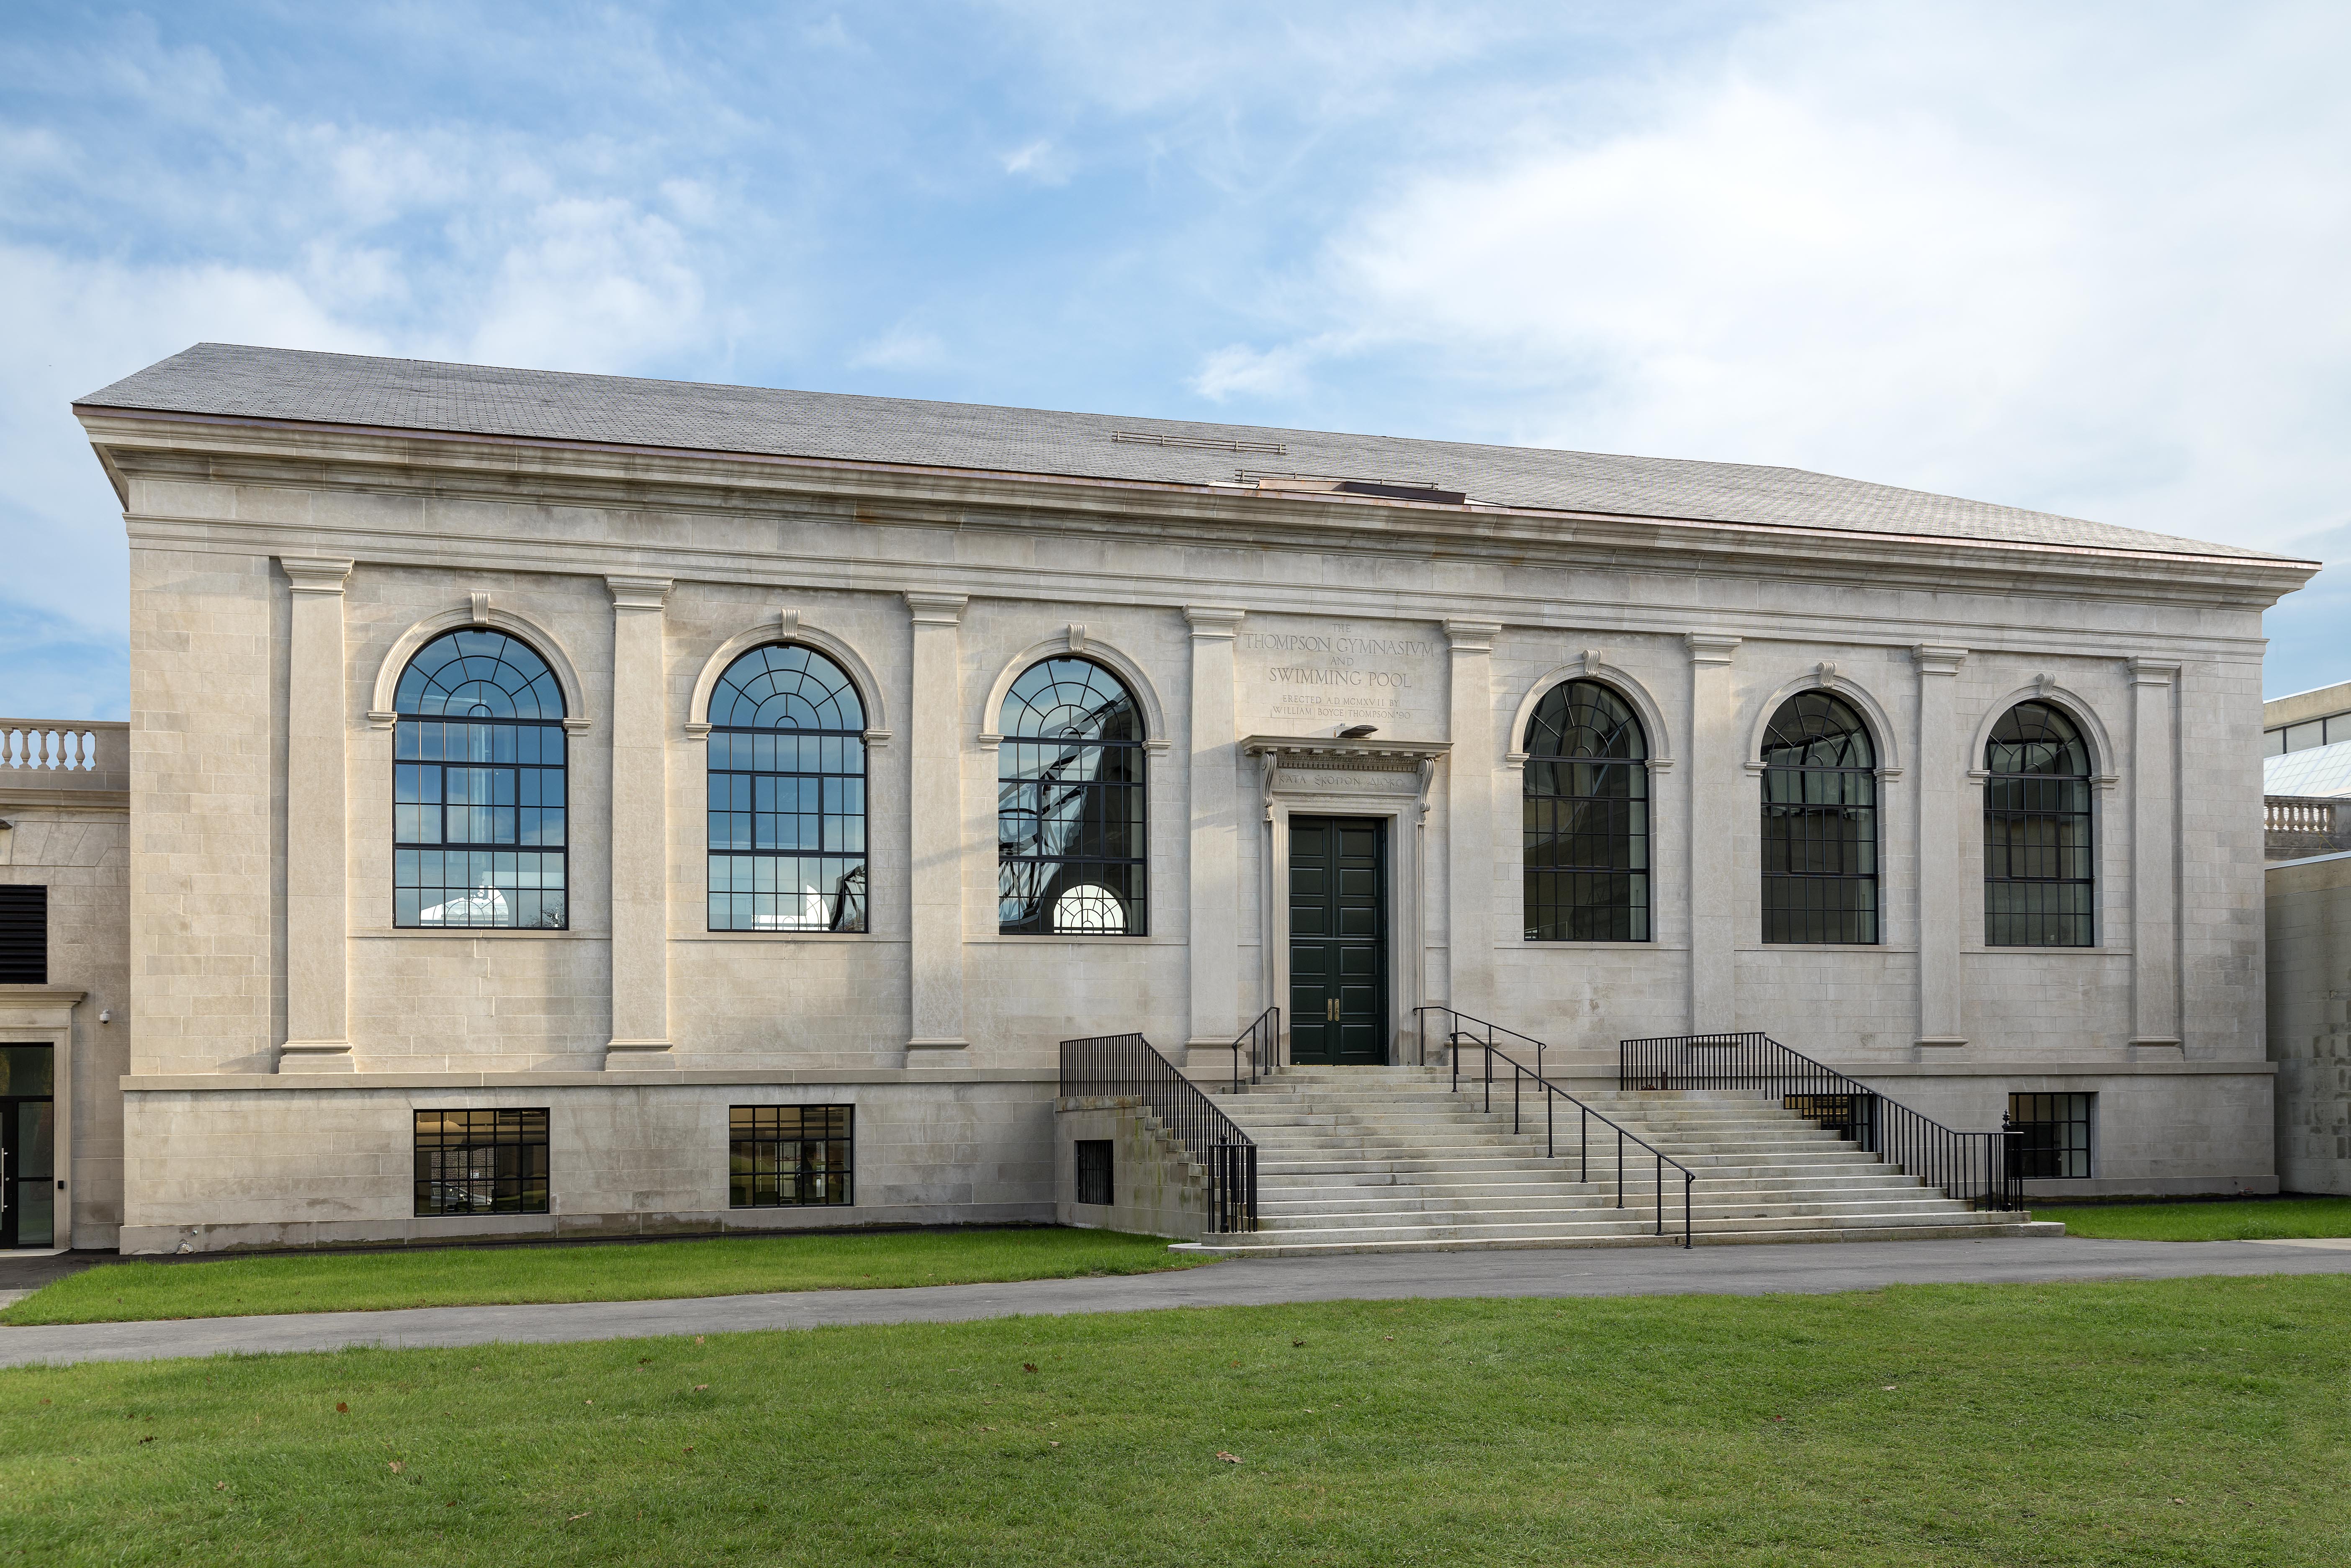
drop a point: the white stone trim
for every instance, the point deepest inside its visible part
(1079, 644)
(787, 627)
(479, 612)
(42, 1014)
(1828, 677)
(1588, 666)
(2104, 759)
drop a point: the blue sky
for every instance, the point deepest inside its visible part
(2086, 258)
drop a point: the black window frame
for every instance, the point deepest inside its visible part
(1059, 750)
(1096, 1165)
(2018, 799)
(747, 759)
(2048, 1139)
(536, 791)
(1605, 806)
(517, 1143)
(1834, 780)
(822, 1171)
(24, 933)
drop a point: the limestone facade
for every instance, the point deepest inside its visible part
(283, 572)
(65, 828)
(2310, 1019)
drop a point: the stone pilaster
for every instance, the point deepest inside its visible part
(318, 917)
(2155, 861)
(1469, 817)
(936, 824)
(1719, 809)
(1213, 900)
(1945, 911)
(640, 824)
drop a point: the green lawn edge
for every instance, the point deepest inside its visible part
(2238, 1219)
(135, 1291)
(2168, 1424)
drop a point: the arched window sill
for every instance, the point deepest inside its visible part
(484, 932)
(852, 936)
(1024, 939)
(1821, 947)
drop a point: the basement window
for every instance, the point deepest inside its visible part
(789, 1156)
(2053, 1136)
(1093, 1170)
(481, 1162)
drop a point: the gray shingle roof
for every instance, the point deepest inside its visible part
(229, 380)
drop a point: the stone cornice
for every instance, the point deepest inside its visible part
(186, 448)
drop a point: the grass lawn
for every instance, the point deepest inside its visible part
(729, 1266)
(2197, 1422)
(2249, 1219)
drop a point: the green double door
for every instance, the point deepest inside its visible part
(1338, 940)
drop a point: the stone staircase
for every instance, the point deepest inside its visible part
(1386, 1159)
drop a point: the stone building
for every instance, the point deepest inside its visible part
(568, 803)
(2306, 746)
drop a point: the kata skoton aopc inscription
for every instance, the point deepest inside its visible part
(1344, 676)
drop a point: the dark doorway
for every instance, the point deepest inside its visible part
(1339, 940)
(27, 1145)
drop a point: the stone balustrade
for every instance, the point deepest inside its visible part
(2296, 826)
(64, 754)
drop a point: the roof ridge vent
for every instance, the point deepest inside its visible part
(1199, 443)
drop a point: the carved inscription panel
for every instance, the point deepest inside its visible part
(1299, 676)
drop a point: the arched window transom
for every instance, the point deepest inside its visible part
(477, 787)
(1586, 818)
(786, 826)
(2039, 879)
(1070, 815)
(1820, 824)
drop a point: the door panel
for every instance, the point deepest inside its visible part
(1338, 940)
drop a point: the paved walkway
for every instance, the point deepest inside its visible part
(1707, 1270)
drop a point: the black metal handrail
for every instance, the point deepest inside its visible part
(1978, 1168)
(1262, 1042)
(1458, 1038)
(1124, 1066)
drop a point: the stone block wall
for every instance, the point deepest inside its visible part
(2309, 966)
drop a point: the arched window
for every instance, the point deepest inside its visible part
(787, 794)
(2038, 879)
(1820, 824)
(477, 786)
(1070, 820)
(1586, 818)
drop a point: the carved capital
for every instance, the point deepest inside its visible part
(315, 574)
(1213, 622)
(1710, 647)
(1932, 660)
(2153, 672)
(639, 593)
(1473, 636)
(937, 608)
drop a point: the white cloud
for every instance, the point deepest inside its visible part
(1039, 161)
(593, 286)
(1239, 371)
(2108, 285)
(901, 347)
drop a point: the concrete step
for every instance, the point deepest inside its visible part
(1230, 1245)
(1568, 1226)
(1401, 1159)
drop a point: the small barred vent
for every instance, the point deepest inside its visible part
(24, 936)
